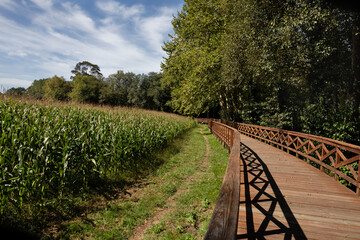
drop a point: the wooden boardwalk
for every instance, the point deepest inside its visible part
(282, 197)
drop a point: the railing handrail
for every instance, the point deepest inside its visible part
(224, 220)
(329, 141)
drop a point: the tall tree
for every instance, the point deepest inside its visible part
(87, 83)
(18, 91)
(36, 88)
(291, 64)
(134, 94)
(155, 94)
(117, 88)
(56, 88)
(191, 69)
(86, 89)
(88, 69)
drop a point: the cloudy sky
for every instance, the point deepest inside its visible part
(43, 38)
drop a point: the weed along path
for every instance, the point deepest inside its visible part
(173, 202)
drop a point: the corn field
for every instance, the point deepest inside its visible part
(47, 151)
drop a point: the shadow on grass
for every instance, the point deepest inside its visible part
(13, 232)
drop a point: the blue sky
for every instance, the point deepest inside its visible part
(43, 38)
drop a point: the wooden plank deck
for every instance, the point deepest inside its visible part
(283, 197)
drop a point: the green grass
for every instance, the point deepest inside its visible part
(193, 209)
(184, 189)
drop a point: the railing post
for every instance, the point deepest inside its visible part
(322, 169)
(287, 149)
(307, 153)
(358, 179)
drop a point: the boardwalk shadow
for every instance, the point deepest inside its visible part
(267, 214)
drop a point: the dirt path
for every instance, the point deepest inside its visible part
(140, 231)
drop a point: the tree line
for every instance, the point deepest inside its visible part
(289, 64)
(88, 85)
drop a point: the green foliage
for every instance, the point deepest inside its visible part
(205, 203)
(117, 89)
(191, 69)
(154, 95)
(158, 228)
(56, 88)
(89, 86)
(134, 94)
(346, 170)
(86, 89)
(323, 120)
(189, 237)
(19, 91)
(191, 218)
(180, 229)
(88, 69)
(169, 188)
(36, 90)
(290, 64)
(48, 153)
(87, 83)
(136, 90)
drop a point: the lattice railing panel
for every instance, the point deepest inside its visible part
(336, 158)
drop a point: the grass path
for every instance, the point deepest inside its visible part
(140, 231)
(174, 202)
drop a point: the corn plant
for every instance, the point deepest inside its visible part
(49, 151)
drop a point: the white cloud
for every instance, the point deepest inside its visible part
(13, 82)
(56, 66)
(115, 8)
(18, 53)
(8, 4)
(59, 36)
(155, 28)
(15, 38)
(44, 4)
(70, 18)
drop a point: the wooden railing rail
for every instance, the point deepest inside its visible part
(330, 156)
(223, 132)
(224, 220)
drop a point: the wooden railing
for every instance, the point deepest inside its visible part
(223, 132)
(338, 159)
(224, 220)
(330, 156)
